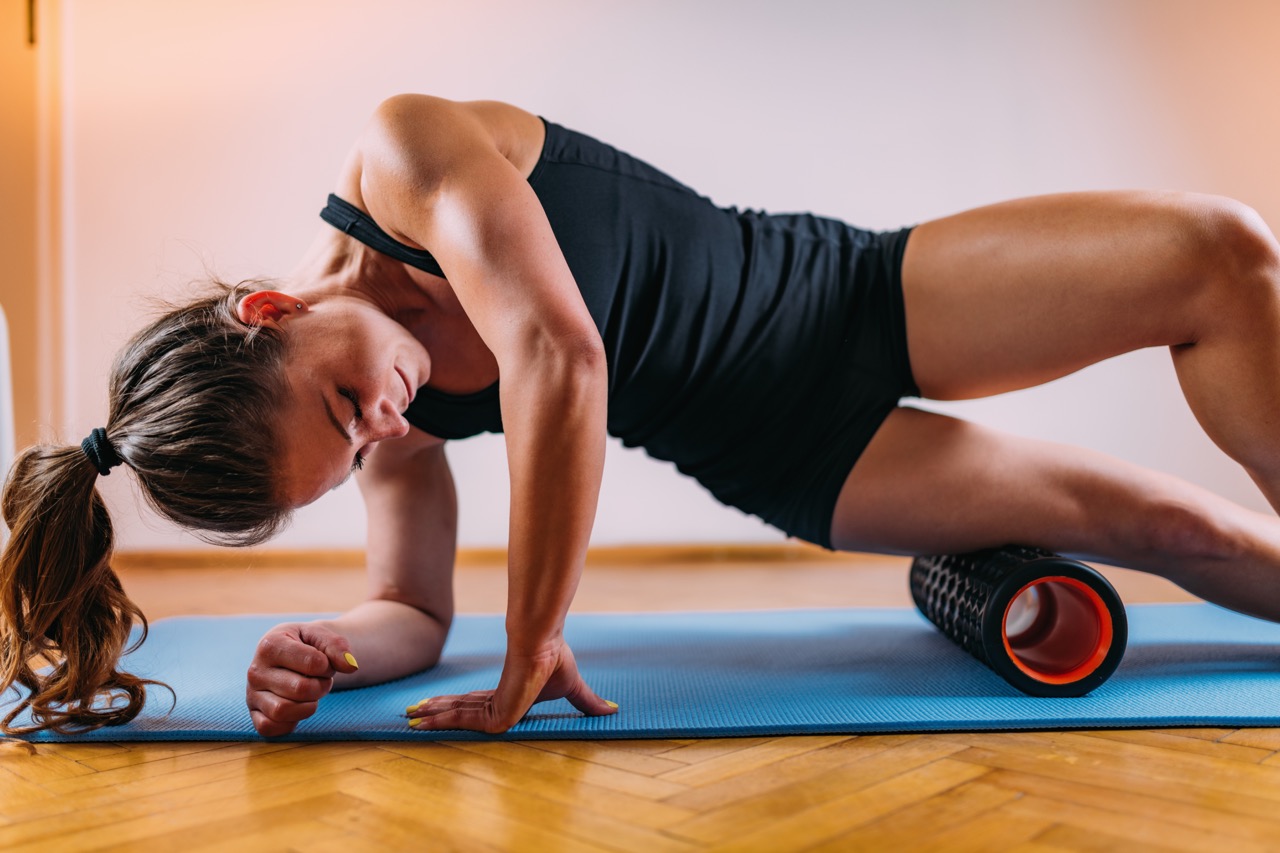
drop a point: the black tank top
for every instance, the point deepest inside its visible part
(710, 317)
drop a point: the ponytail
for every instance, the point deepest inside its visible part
(192, 409)
(64, 617)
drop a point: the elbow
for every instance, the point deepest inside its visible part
(437, 615)
(442, 619)
(580, 365)
(578, 354)
(587, 353)
(582, 349)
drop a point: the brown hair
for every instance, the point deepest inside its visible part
(192, 397)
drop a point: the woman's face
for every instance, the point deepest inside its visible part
(350, 372)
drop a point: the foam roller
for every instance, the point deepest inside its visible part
(1048, 625)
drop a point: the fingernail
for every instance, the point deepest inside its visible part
(411, 709)
(351, 659)
(611, 704)
(413, 724)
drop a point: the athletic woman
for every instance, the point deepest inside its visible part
(764, 355)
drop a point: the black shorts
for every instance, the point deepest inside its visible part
(800, 459)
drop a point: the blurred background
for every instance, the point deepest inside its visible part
(147, 143)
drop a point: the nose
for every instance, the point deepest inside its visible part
(385, 422)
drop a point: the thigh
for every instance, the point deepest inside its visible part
(1018, 293)
(931, 484)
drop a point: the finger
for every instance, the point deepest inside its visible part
(285, 648)
(268, 727)
(481, 719)
(439, 704)
(331, 644)
(279, 709)
(289, 684)
(585, 700)
(567, 682)
(436, 709)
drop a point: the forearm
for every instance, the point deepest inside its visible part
(554, 413)
(389, 640)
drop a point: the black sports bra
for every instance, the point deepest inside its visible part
(440, 414)
(348, 218)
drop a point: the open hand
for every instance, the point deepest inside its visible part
(292, 670)
(549, 673)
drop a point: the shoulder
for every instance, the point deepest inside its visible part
(422, 123)
(416, 142)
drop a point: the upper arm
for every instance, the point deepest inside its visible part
(432, 174)
(412, 512)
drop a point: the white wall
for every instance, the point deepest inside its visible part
(206, 133)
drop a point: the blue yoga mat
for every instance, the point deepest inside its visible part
(737, 674)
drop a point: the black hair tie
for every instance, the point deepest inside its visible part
(100, 452)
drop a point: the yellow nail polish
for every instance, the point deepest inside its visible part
(351, 659)
(413, 724)
(411, 709)
(611, 704)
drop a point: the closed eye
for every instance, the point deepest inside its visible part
(349, 395)
(354, 400)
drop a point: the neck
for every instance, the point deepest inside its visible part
(338, 265)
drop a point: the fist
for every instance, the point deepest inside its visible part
(292, 670)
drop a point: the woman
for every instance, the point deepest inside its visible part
(764, 355)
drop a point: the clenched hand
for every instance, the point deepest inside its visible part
(291, 671)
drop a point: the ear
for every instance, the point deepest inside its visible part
(268, 306)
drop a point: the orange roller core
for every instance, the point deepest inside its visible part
(1057, 630)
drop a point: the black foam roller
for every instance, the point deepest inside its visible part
(1064, 637)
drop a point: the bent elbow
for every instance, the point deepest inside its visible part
(550, 352)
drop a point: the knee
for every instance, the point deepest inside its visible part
(1231, 249)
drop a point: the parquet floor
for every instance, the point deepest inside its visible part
(1201, 789)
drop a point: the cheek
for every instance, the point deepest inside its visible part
(311, 456)
(363, 349)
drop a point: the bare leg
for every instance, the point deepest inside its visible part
(1020, 293)
(930, 484)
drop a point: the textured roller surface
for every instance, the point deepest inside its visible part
(953, 591)
(726, 674)
(967, 596)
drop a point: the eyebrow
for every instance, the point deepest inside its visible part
(333, 419)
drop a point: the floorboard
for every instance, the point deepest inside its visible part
(1035, 792)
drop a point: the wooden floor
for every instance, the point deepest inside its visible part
(1202, 789)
